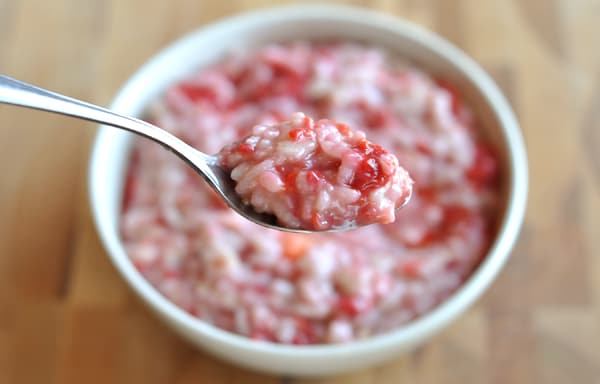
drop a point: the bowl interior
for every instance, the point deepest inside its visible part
(434, 55)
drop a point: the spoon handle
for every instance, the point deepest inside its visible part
(19, 93)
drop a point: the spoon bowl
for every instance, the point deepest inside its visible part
(19, 93)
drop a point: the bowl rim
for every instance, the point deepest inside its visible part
(412, 332)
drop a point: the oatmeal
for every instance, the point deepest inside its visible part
(316, 175)
(318, 288)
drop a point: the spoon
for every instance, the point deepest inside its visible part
(19, 93)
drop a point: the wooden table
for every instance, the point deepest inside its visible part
(67, 317)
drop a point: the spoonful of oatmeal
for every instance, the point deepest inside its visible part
(299, 175)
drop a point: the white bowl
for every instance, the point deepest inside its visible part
(111, 150)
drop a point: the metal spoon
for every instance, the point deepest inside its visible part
(26, 95)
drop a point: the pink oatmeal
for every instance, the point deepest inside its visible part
(316, 175)
(321, 288)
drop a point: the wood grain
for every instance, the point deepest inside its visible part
(67, 317)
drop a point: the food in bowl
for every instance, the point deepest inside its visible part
(321, 288)
(316, 175)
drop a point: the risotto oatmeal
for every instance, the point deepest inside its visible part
(319, 288)
(316, 175)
